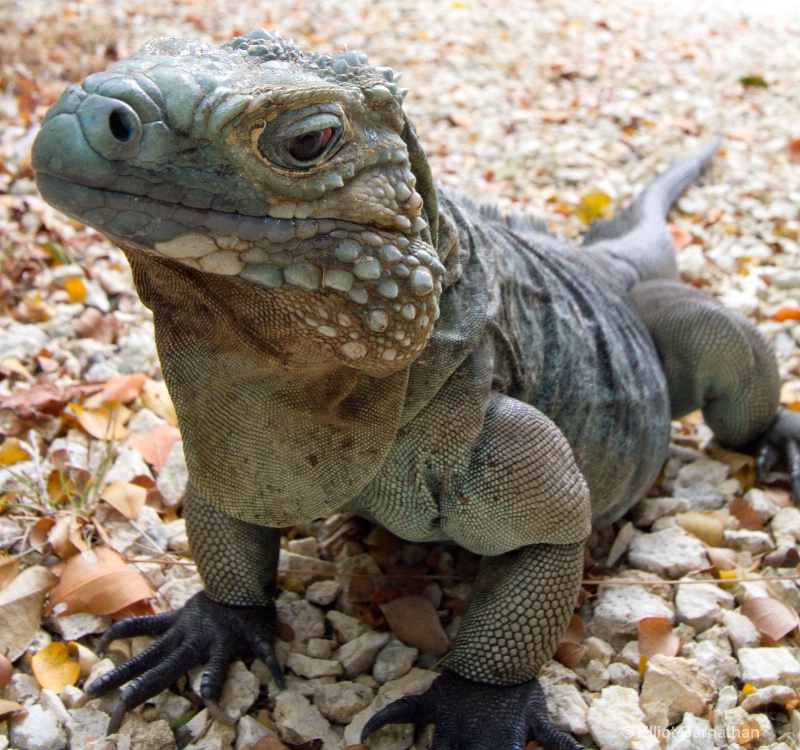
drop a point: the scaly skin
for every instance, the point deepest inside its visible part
(338, 334)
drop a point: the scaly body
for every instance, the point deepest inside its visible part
(336, 334)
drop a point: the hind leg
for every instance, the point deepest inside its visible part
(717, 360)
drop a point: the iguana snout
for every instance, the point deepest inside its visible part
(288, 171)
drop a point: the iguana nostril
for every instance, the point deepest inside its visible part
(112, 128)
(122, 125)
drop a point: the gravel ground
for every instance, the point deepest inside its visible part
(534, 106)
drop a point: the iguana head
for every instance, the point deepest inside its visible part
(295, 174)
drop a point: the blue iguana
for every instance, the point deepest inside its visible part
(337, 333)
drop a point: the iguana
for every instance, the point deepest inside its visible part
(337, 333)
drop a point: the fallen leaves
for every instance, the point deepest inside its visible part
(707, 527)
(788, 313)
(794, 151)
(413, 619)
(98, 582)
(771, 617)
(570, 651)
(656, 637)
(154, 446)
(126, 497)
(21, 609)
(593, 206)
(56, 666)
(13, 451)
(10, 709)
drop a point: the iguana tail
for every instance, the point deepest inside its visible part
(637, 238)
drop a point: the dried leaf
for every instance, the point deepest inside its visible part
(794, 151)
(120, 389)
(9, 709)
(76, 290)
(38, 533)
(754, 81)
(45, 398)
(21, 609)
(786, 313)
(742, 467)
(747, 517)
(9, 570)
(154, 447)
(66, 537)
(706, 527)
(620, 545)
(785, 557)
(125, 497)
(156, 398)
(656, 637)
(273, 743)
(103, 423)
(414, 621)
(56, 666)
(98, 582)
(680, 236)
(771, 617)
(592, 206)
(570, 651)
(12, 452)
(722, 558)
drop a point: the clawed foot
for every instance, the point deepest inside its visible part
(474, 716)
(202, 631)
(781, 441)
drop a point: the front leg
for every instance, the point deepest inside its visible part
(235, 615)
(523, 503)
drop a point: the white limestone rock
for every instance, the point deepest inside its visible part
(619, 608)
(173, 477)
(358, 655)
(307, 666)
(299, 721)
(693, 733)
(394, 661)
(624, 676)
(340, 701)
(347, 628)
(567, 708)
(677, 683)
(670, 553)
(778, 695)
(698, 604)
(745, 540)
(785, 526)
(240, 691)
(741, 630)
(249, 732)
(323, 593)
(617, 723)
(306, 620)
(714, 660)
(762, 503)
(763, 667)
(41, 729)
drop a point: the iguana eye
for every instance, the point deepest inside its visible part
(309, 145)
(294, 142)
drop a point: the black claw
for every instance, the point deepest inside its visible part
(477, 715)
(267, 655)
(216, 672)
(765, 460)
(135, 626)
(793, 459)
(117, 716)
(413, 709)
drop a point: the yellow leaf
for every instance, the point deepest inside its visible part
(748, 689)
(76, 290)
(103, 423)
(57, 666)
(12, 452)
(125, 497)
(706, 527)
(156, 398)
(592, 206)
(642, 665)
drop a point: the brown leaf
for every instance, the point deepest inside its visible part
(794, 151)
(273, 743)
(9, 709)
(569, 654)
(120, 389)
(680, 236)
(125, 497)
(66, 537)
(620, 545)
(414, 621)
(98, 582)
(722, 558)
(742, 466)
(38, 533)
(21, 609)
(9, 570)
(156, 398)
(154, 447)
(656, 637)
(771, 617)
(705, 526)
(747, 517)
(45, 398)
(785, 557)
